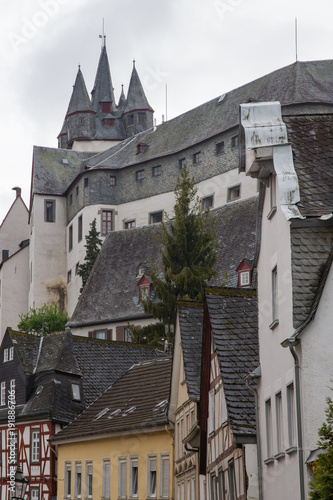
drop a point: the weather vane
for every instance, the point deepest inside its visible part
(103, 36)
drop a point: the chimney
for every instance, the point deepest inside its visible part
(18, 191)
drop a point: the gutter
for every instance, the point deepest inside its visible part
(291, 342)
(254, 376)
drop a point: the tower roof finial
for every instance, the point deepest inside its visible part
(103, 36)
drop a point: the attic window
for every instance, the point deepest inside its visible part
(233, 193)
(161, 406)
(64, 161)
(144, 292)
(139, 148)
(244, 278)
(109, 122)
(76, 396)
(39, 390)
(101, 413)
(106, 107)
(114, 413)
(207, 202)
(130, 410)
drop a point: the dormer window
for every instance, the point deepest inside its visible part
(141, 148)
(106, 107)
(144, 288)
(244, 271)
(109, 122)
(76, 395)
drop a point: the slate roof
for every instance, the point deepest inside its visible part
(50, 174)
(234, 321)
(103, 300)
(103, 88)
(79, 100)
(191, 329)
(94, 364)
(137, 400)
(301, 82)
(136, 98)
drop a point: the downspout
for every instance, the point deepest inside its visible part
(251, 376)
(292, 341)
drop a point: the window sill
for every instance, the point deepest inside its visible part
(291, 450)
(271, 213)
(269, 461)
(274, 324)
(280, 455)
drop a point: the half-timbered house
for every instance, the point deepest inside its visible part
(45, 383)
(228, 450)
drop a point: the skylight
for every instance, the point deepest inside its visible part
(101, 413)
(114, 413)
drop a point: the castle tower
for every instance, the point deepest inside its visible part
(80, 119)
(138, 115)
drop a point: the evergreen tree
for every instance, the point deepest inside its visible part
(322, 486)
(48, 318)
(188, 252)
(93, 247)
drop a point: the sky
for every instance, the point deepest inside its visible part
(187, 52)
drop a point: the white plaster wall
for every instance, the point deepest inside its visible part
(251, 466)
(276, 362)
(317, 368)
(14, 276)
(14, 227)
(47, 251)
(93, 146)
(83, 331)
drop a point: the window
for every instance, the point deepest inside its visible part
(77, 191)
(108, 122)
(142, 118)
(144, 292)
(134, 477)
(156, 171)
(106, 107)
(155, 217)
(11, 353)
(279, 422)
(130, 224)
(122, 479)
(291, 414)
(78, 480)
(219, 148)
(12, 385)
(268, 417)
(70, 238)
(233, 193)
(139, 175)
(152, 471)
(182, 163)
(106, 222)
(76, 395)
(272, 196)
(34, 493)
(79, 228)
(49, 211)
(86, 182)
(67, 479)
(213, 487)
(221, 485)
(197, 157)
(35, 445)
(207, 202)
(112, 180)
(77, 268)
(127, 334)
(130, 119)
(211, 412)
(275, 310)
(89, 480)
(234, 141)
(5, 355)
(71, 199)
(165, 477)
(69, 276)
(244, 278)
(231, 474)
(3, 394)
(106, 478)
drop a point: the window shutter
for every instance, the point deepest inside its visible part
(120, 333)
(109, 334)
(122, 479)
(92, 335)
(165, 478)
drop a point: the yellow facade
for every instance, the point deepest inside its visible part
(107, 468)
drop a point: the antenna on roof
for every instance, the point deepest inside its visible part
(296, 38)
(103, 36)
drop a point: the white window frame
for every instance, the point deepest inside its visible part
(77, 485)
(164, 479)
(76, 392)
(211, 411)
(122, 477)
(33, 491)
(106, 478)
(291, 415)
(11, 353)
(244, 278)
(134, 464)
(67, 479)
(5, 355)
(207, 202)
(275, 303)
(152, 476)
(89, 477)
(35, 445)
(3, 394)
(268, 420)
(234, 193)
(279, 422)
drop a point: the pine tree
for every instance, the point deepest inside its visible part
(322, 486)
(188, 250)
(93, 247)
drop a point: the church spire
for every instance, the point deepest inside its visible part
(103, 90)
(80, 98)
(136, 98)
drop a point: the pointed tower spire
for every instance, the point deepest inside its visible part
(80, 117)
(122, 99)
(138, 115)
(103, 90)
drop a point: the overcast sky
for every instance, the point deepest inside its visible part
(198, 49)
